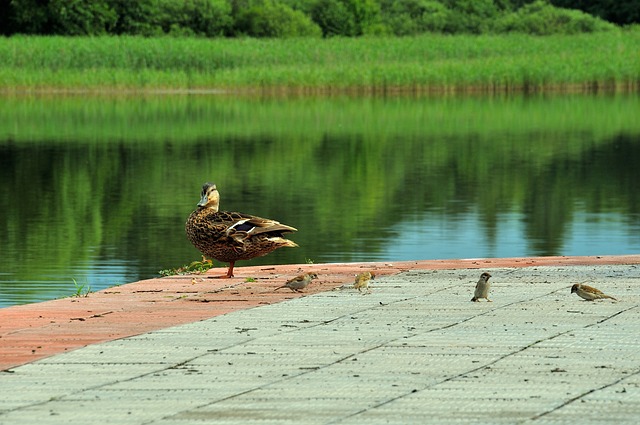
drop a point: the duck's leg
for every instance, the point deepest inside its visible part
(230, 270)
(229, 274)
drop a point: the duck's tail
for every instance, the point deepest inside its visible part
(282, 242)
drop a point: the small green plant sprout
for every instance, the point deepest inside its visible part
(308, 260)
(196, 267)
(81, 290)
(250, 279)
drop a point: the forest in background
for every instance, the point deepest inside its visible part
(312, 18)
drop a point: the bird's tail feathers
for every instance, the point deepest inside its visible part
(283, 242)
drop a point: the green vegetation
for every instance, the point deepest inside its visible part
(304, 65)
(621, 12)
(293, 18)
(540, 18)
(81, 290)
(195, 267)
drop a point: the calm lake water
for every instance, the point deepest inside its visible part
(96, 190)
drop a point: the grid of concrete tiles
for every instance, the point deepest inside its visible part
(414, 350)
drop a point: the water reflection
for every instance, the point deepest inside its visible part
(97, 190)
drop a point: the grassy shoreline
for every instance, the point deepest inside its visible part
(431, 63)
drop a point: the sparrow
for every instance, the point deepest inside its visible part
(362, 280)
(589, 293)
(482, 288)
(298, 283)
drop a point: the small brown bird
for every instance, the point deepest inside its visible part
(589, 293)
(298, 283)
(362, 280)
(482, 288)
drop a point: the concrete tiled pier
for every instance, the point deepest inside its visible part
(415, 350)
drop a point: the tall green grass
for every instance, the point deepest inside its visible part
(431, 62)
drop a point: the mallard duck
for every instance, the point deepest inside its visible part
(232, 236)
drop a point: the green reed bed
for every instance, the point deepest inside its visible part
(431, 62)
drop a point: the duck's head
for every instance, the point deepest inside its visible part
(209, 197)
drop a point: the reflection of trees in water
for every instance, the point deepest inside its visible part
(603, 179)
(344, 172)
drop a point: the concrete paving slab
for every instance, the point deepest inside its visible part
(414, 350)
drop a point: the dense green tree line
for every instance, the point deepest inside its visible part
(288, 18)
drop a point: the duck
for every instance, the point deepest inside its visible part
(232, 236)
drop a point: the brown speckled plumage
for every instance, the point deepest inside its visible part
(232, 236)
(589, 293)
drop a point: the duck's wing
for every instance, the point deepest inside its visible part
(253, 225)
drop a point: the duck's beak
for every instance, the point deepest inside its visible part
(203, 201)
